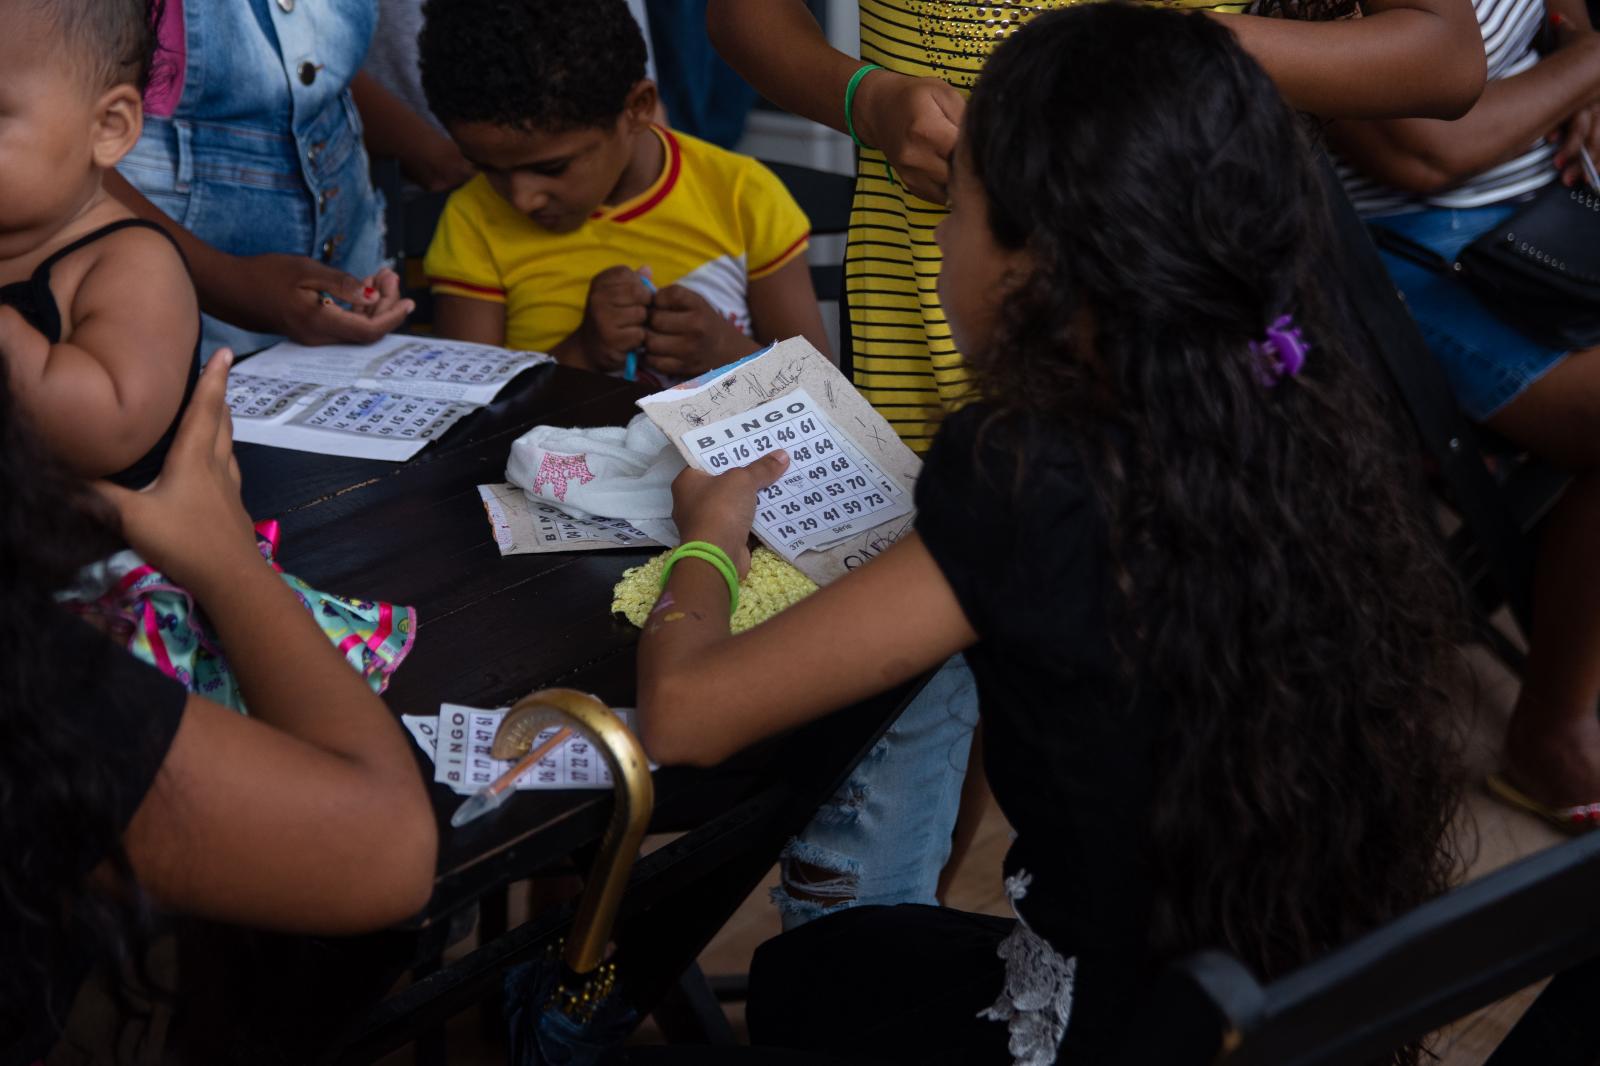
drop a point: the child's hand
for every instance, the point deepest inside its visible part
(687, 336)
(914, 122)
(285, 294)
(613, 319)
(721, 508)
(190, 523)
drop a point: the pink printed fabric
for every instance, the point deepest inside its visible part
(172, 59)
(160, 624)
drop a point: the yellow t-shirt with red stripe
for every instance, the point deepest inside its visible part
(712, 222)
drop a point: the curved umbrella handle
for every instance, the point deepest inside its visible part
(633, 790)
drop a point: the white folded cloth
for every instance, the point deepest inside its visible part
(604, 471)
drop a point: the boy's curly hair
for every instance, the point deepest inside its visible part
(530, 64)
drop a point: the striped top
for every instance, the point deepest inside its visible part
(906, 364)
(1510, 34)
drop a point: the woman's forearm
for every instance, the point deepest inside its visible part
(1423, 58)
(777, 46)
(1429, 155)
(291, 675)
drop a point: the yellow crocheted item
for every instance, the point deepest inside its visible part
(769, 587)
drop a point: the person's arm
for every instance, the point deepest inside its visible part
(704, 694)
(1401, 58)
(1406, 57)
(308, 816)
(278, 293)
(464, 319)
(393, 129)
(1428, 155)
(104, 395)
(777, 46)
(784, 304)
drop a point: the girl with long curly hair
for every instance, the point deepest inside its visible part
(1179, 543)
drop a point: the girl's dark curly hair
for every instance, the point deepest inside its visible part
(1276, 578)
(57, 806)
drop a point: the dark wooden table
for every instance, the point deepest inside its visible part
(492, 629)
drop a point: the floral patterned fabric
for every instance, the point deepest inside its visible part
(159, 623)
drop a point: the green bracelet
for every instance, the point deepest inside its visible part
(706, 552)
(850, 100)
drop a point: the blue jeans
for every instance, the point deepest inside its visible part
(263, 152)
(885, 835)
(1488, 361)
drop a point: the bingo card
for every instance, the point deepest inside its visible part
(831, 490)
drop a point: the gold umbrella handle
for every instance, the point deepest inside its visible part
(630, 817)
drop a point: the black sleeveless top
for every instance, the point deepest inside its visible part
(37, 305)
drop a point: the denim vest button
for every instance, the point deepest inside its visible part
(328, 248)
(308, 72)
(286, 6)
(327, 194)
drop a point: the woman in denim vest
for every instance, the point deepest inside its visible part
(252, 146)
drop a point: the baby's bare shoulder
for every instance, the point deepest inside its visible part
(136, 274)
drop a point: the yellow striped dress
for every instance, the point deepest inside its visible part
(905, 361)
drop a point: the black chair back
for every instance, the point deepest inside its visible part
(1445, 959)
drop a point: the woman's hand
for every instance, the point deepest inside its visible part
(914, 122)
(721, 508)
(190, 522)
(1581, 131)
(296, 296)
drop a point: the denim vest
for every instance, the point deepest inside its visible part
(263, 152)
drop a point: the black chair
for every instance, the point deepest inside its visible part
(1454, 955)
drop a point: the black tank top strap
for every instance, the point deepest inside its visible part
(104, 231)
(32, 296)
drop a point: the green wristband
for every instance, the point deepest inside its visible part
(706, 552)
(850, 100)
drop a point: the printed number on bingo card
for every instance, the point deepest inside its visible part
(830, 491)
(250, 396)
(383, 414)
(424, 361)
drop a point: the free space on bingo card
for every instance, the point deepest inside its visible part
(830, 491)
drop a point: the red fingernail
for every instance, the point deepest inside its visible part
(369, 292)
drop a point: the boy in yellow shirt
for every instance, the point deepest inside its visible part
(590, 232)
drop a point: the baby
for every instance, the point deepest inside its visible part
(99, 325)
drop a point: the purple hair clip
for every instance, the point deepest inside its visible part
(1282, 352)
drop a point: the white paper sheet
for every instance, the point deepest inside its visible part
(460, 737)
(384, 401)
(523, 525)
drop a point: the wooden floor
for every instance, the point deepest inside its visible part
(1490, 836)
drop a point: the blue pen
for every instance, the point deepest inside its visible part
(630, 369)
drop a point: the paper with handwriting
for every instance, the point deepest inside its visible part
(848, 493)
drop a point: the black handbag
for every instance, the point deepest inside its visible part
(1538, 271)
